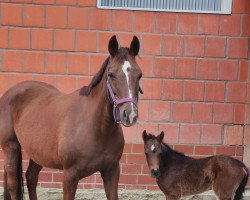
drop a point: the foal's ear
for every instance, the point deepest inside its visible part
(134, 47)
(161, 136)
(113, 46)
(144, 135)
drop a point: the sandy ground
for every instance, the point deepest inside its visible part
(96, 194)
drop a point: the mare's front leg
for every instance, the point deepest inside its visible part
(110, 178)
(70, 182)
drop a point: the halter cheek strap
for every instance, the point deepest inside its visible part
(116, 102)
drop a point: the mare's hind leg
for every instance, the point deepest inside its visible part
(12, 151)
(32, 178)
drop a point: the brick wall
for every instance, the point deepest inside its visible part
(196, 73)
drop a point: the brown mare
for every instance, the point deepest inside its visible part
(178, 175)
(75, 132)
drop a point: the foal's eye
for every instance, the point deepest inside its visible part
(111, 75)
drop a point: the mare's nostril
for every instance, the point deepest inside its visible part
(124, 114)
(155, 173)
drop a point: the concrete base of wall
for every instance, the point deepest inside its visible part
(97, 194)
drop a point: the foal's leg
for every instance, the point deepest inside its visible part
(70, 182)
(11, 152)
(32, 178)
(110, 179)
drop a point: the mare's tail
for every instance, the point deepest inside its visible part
(20, 190)
(241, 189)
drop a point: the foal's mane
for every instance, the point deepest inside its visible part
(122, 54)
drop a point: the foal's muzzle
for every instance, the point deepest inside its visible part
(155, 173)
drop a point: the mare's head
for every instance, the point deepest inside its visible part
(123, 76)
(153, 151)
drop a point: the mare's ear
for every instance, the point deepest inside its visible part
(113, 46)
(144, 135)
(134, 47)
(161, 136)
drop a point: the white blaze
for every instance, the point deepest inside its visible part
(152, 147)
(126, 69)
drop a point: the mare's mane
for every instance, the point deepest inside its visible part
(122, 54)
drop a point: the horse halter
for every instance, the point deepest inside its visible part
(116, 102)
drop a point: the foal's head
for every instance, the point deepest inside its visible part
(124, 75)
(153, 150)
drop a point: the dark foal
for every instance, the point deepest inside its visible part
(178, 175)
(75, 132)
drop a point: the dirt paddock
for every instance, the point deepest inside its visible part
(96, 194)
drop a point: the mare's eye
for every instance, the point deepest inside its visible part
(111, 75)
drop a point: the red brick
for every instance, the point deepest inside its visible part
(193, 90)
(230, 25)
(248, 92)
(87, 2)
(236, 92)
(191, 20)
(190, 133)
(64, 40)
(146, 180)
(241, 6)
(151, 44)
(223, 113)
(159, 111)
(78, 18)
(247, 135)
(144, 21)
(86, 41)
(172, 90)
(146, 64)
(66, 84)
(4, 82)
(239, 113)
(238, 48)
(55, 63)
(246, 157)
(228, 70)
(3, 37)
(226, 150)
(186, 149)
(154, 88)
(185, 68)
(208, 24)
(10, 64)
(244, 70)
(143, 110)
(125, 17)
(11, 14)
(51, 185)
(136, 159)
(165, 22)
(78, 64)
(128, 179)
(202, 112)
(150, 127)
(130, 134)
(66, 2)
(45, 78)
(17, 78)
(100, 19)
(173, 45)
(103, 40)
(233, 135)
(211, 134)
(19, 38)
(207, 69)
(56, 16)
(246, 25)
(216, 47)
(127, 148)
(130, 169)
(239, 151)
(181, 111)
(20, 1)
(194, 46)
(34, 62)
(138, 148)
(42, 39)
(204, 150)
(33, 15)
(247, 114)
(96, 62)
(126, 38)
(164, 68)
(171, 132)
(43, 1)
